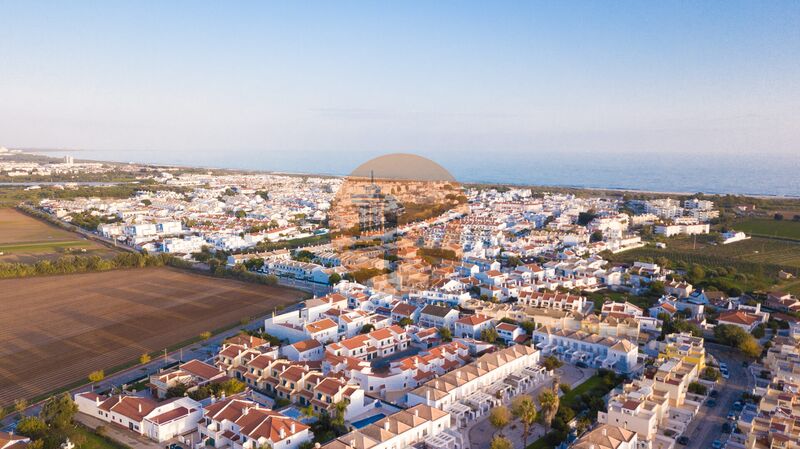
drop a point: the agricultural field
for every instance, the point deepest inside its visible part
(767, 227)
(56, 330)
(24, 239)
(755, 254)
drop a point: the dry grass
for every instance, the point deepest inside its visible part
(56, 330)
(25, 239)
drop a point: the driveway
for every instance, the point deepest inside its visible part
(117, 433)
(482, 432)
(707, 425)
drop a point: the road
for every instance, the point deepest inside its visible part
(707, 425)
(202, 351)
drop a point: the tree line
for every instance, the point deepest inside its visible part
(82, 264)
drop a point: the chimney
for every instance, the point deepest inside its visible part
(293, 428)
(386, 425)
(605, 430)
(416, 412)
(282, 433)
(140, 407)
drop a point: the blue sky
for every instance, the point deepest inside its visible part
(434, 78)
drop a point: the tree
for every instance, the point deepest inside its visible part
(96, 376)
(697, 388)
(501, 443)
(551, 362)
(445, 334)
(339, 413)
(499, 417)
(524, 409)
(657, 288)
(405, 321)
(489, 335)
(307, 411)
(334, 279)
(758, 332)
(32, 427)
(59, 411)
(709, 373)
(205, 335)
(596, 236)
(778, 217)
(549, 401)
(367, 328)
(585, 217)
(241, 214)
(20, 405)
(144, 359)
(750, 347)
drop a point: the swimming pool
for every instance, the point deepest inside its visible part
(295, 413)
(367, 421)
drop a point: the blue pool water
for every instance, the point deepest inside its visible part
(367, 421)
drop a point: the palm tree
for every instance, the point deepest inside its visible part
(549, 401)
(307, 412)
(340, 409)
(524, 409)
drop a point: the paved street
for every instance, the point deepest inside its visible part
(707, 425)
(482, 432)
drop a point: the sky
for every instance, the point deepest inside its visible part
(432, 77)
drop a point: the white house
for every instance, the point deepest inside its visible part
(157, 421)
(471, 326)
(437, 316)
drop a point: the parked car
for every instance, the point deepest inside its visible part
(683, 440)
(732, 416)
(713, 393)
(716, 444)
(725, 374)
(711, 403)
(582, 365)
(727, 427)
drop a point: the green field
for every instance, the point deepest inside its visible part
(757, 254)
(44, 247)
(765, 227)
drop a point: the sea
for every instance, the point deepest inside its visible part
(748, 174)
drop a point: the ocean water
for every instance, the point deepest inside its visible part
(752, 174)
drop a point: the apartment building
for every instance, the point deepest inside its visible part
(473, 377)
(376, 344)
(591, 349)
(777, 422)
(606, 436)
(559, 301)
(242, 424)
(406, 428)
(684, 347)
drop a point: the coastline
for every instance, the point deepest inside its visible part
(566, 186)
